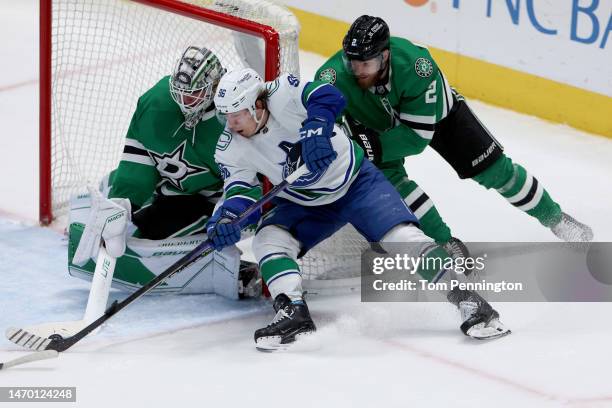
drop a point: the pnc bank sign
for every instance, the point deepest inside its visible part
(585, 26)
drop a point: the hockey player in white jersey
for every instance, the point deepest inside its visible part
(272, 129)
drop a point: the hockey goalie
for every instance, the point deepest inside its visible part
(153, 208)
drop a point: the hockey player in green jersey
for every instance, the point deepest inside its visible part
(167, 184)
(399, 102)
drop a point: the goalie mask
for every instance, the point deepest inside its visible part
(193, 82)
(238, 90)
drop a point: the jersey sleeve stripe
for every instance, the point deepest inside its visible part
(250, 199)
(134, 143)
(448, 98)
(135, 150)
(310, 92)
(422, 119)
(425, 134)
(137, 158)
(419, 126)
(240, 184)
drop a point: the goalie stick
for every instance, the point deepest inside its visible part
(96, 302)
(59, 344)
(28, 358)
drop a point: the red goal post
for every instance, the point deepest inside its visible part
(61, 168)
(97, 57)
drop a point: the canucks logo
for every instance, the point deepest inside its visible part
(293, 161)
(293, 81)
(223, 171)
(423, 67)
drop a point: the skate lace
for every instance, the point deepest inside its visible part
(281, 315)
(468, 309)
(454, 248)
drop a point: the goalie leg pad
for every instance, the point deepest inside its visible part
(217, 272)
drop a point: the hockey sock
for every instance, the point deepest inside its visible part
(432, 266)
(422, 206)
(521, 189)
(282, 275)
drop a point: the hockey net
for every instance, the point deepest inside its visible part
(99, 56)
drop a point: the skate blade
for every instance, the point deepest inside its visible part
(495, 329)
(273, 343)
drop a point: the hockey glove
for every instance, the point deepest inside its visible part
(220, 230)
(317, 149)
(366, 138)
(108, 221)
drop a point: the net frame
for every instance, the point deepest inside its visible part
(334, 259)
(270, 30)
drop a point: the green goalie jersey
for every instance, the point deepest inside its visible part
(406, 108)
(161, 155)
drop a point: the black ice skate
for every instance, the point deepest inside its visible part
(480, 320)
(457, 249)
(570, 230)
(292, 320)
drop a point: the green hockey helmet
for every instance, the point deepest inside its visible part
(194, 80)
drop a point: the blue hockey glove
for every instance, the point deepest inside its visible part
(317, 149)
(220, 230)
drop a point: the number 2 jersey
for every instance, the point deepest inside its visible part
(275, 151)
(406, 109)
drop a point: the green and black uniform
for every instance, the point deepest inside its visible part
(168, 171)
(416, 107)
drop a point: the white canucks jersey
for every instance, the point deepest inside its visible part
(275, 150)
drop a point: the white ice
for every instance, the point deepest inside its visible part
(172, 351)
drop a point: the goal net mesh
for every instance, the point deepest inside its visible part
(107, 53)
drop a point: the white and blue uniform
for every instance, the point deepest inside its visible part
(317, 205)
(275, 150)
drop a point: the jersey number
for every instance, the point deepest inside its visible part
(430, 95)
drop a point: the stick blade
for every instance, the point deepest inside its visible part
(26, 339)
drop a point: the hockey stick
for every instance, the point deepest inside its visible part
(28, 358)
(96, 302)
(59, 344)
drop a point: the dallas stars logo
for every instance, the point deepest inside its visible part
(328, 75)
(423, 67)
(174, 168)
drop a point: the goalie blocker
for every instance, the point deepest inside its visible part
(220, 273)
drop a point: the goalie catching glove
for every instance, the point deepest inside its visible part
(108, 221)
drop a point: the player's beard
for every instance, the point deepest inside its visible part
(366, 82)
